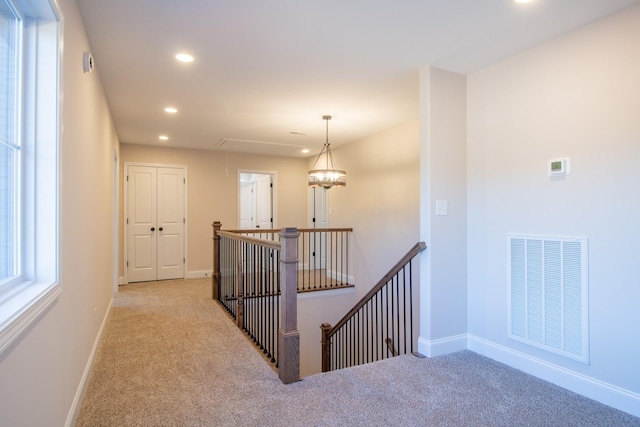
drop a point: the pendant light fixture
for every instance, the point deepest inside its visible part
(328, 176)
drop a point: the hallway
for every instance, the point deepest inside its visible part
(170, 356)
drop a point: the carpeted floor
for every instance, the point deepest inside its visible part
(170, 356)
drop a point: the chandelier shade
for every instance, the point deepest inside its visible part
(327, 176)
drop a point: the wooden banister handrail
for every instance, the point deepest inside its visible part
(301, 230)
(415, 250)
(256, 241)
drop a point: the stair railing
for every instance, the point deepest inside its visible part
(380, 325)
(255, 280)
(323, 255)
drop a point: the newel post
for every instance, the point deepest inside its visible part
(215, 274)
(288, 335)
(326, 347)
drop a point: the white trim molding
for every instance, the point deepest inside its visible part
(74, 411)
(608, 394)
(442, 346)
(197, 274)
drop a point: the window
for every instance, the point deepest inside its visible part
(8, 147)
(29, 132)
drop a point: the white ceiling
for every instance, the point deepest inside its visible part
(266, 68)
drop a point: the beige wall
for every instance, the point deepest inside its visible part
(213, 191)
(381, 203)
(41, 372)
(381, 199)
(382, 207)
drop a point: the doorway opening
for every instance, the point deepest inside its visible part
(256, 195)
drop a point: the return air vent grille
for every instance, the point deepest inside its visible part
(548, 293)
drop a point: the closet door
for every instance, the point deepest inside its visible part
(155, 223)
(170, 220)
(141, 223)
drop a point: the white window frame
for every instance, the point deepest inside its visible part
(36, 285)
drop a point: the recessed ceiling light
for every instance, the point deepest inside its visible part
(522, 1)
(184, 57)
(305, 150)
(163, 138)
(171, 110)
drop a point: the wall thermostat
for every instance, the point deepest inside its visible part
(559, 166)
(87, 62)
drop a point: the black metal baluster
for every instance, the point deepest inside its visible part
(329, 256)
(357, 336)
(365, 344)
(404, 309)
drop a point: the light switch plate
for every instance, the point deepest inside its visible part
(442, 207)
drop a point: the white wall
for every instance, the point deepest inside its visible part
(443, 284)
(577, 96)
(41, 372)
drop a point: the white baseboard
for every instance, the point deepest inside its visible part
(193, 274)
(72, 416)
(326, 293)
(196, 274)
(442, 346)
(608, 394)
(336, 275)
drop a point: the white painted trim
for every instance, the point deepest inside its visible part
(185, 230)
(116, 219)
(36, 286)
(274, 194)
(196, 274)
(442, 346)
(608, 394)
(326, 293)
(74, 411)
(125, 227)
(338, 275)
(21, 305)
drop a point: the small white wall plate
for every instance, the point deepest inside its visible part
(87, 62)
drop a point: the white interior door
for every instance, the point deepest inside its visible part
(247, 205)
(319, 218)
(155, 223)
(264, 213)
(256, 192)
(170, 220)
(141, 223)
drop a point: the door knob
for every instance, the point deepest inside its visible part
(160, 228)
(153, 229)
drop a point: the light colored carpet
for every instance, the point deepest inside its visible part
(171, 356)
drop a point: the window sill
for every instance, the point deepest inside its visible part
(20, 305)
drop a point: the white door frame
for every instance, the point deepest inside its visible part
(274, 193)
(116, 221)
(126, 211)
